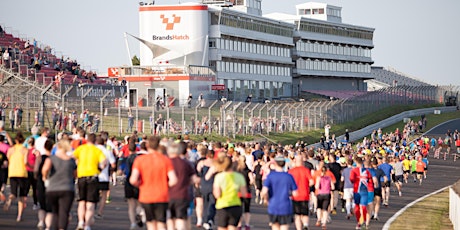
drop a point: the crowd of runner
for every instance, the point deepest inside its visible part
(167, 181)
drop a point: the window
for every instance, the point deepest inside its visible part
(321, 11)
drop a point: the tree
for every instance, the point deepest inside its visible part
(135, 60)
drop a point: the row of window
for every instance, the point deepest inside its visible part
(250, 68)
(334, 30)
(325, 65)
(316, 47)
(251, 47)
(240, 89)
(251, 24)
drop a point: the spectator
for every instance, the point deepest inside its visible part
(6, 58)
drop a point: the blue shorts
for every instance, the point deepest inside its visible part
(370, 197)
(361, 198)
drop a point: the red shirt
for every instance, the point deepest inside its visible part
(457, 142)
(153, 169)
(302, 177)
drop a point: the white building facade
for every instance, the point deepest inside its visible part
(267, 57)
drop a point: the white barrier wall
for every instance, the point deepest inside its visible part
(454, 208)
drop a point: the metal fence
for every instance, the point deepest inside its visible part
(226, 118)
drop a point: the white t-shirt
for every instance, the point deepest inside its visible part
(40, 144)
(104, 175)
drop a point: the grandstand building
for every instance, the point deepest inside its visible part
(268, 57)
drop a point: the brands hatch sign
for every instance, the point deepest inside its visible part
(169, 23)
(97, 91)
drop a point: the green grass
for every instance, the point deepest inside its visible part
(435, 207)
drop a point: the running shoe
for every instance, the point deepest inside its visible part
(334, 211)
(40, 226)
(132, 227)
(305, 228)
(80, 227)
(400, 194)
(35, 207)
(98, 216)
(318, 224)
(358, 227)
(108, 200)
(343, 210)
(247, 227)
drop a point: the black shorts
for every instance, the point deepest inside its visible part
(281, 220)
(406, 172)
(104, 186)
(324, 200)
(197, 191)
(300, 207)
(258, 184)
(399, 178)
(228, 216)
(88, 189)
(18, 186)
(419, 173)
(246, 203)
(386, 184)
(378, 192)
(178, 209)
(131, 191)
(155, 211)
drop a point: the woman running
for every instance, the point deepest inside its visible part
(324, 186)
(227, 185)
(32, 156)
(60, 191)
(17, 172)
(44, 213)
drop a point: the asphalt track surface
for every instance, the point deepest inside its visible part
(441, 173)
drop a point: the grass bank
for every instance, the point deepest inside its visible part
(435, 209)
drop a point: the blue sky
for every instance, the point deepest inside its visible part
(416, 37)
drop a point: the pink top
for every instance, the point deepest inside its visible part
(31, 158)
(324, 185)
(4, 148)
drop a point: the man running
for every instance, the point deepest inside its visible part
(347, 187)
(388, 170)
(303, 179)
(104, 175)
(276, 191)
(153, 173)
(399, 174)
(90, 160)
(360, 177)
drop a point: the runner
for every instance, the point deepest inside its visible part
(44, 212)
(303, 179)
(406, 168)
(388, 170)
(336, 169)
(324, 186)
(243, 168)
(32, 156)
(347, 187)
(90, 160)
(60, 191)
(201, 149)
(104, 176)
(227, 185)
(276, 191)
(370, 189)
(381, 178)
(3, 167)
(17, 172)
(132, 192)
(207, 180)
(361, 178)
(154, 174)
(420, 169)
(399, 171)
(179, 193)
